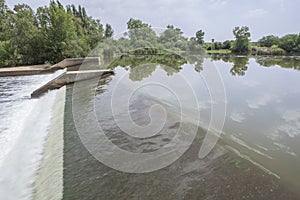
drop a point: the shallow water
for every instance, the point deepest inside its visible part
(257, 156)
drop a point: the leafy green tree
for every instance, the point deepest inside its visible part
(52, 33)
(226, 44)
(173, 38)
(108, 31)
(135, 24)
(95, 32)
(26, 36)
(123, 45)
(200, 36)
(290, 43)
(5, 21)
(241, 43)
(60, 32)
(6, 50)
(268, 41)
(6, 54)
(141, 34)
(218, 45)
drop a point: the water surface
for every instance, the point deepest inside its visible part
(257, 156)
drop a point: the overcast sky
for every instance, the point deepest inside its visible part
(216, 17)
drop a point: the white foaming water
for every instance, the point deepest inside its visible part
(24, 125)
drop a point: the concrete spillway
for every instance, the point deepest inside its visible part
(68, 78)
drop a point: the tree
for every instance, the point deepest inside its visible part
(6, 50)
(200, 36)
(268, 41)
(141, 34)
(5, 21)
(89, 31)
(290, 43)
(108, 31)
(58, 27)
(135, 23)
(242, 40)
(26, 36)
(226, 44)
(95, 32)
(52, 33)
(173, 38)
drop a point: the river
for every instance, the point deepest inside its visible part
(251, 104)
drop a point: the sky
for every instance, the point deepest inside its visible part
(216, 18)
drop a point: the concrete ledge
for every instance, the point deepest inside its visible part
(45, 69)
(68, 78)
(69, 62)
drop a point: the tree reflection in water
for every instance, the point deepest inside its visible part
(240, 63)
(284, 62)
(142, 66)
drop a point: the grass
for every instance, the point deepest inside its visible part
(220, 51)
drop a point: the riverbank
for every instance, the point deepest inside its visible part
(255, 51)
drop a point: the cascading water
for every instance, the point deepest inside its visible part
(24, 126)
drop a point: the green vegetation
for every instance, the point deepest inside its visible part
(219, 51)
(151, 51)
(268, 41)
(48, 34)
(141, 39)
(241, 43)
(267, 45)
(274, 50)
(200, 36)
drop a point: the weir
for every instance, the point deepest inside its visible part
(45, 69)
(49, 181)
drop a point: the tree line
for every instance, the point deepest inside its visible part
(49, 34)
(267, 45)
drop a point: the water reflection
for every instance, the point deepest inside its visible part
(142, 66)
(239, 66)
(196, 61)
(284, 62)
(240, 63)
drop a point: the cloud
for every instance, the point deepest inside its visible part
(260, 101)
(292, 123)
(237, 117)
(217, 3)
(257, 13)
(250, 83)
